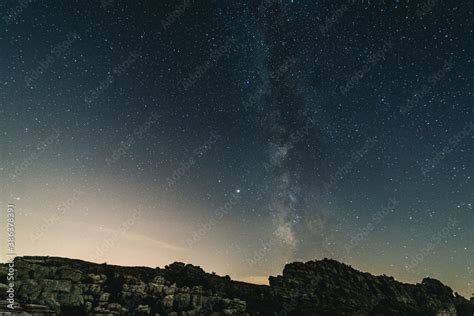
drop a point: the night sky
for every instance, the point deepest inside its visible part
(240, 136)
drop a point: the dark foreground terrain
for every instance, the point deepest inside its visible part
(60, 286)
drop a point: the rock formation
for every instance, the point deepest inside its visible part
(60, 286)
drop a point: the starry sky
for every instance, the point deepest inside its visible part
(242, 135)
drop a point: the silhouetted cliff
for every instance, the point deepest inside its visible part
(60, 286)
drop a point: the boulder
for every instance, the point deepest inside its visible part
(95, 278)
(69, 274)
(182, 300)
(143, 309)
(168, 302)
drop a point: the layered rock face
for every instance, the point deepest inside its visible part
(333, 288)
(59, 286)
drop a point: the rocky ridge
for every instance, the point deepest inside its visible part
(61, 286)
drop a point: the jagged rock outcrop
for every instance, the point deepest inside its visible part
(335, 288)
(60, 286)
